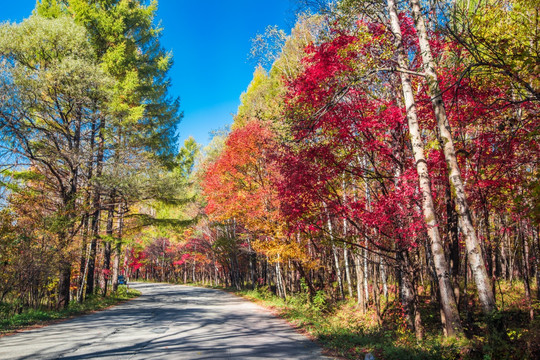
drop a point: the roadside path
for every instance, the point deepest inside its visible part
(166, 322)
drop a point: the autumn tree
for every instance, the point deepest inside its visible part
(144, 116)
(53, 90)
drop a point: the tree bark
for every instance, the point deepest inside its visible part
(64, 283)
(345, 249)
(107, 250)
(334, 253)
(83, 262)
(453, 239)
(96, 214)
(347, 270)
(366, 274)
(359, 283)
(448, 302)
(474, 250)
(338, 268)
(537, 260)
(279, 282)
(85, 254)
(118, 249)
(526, 270)
(408, 295)
(384, 277)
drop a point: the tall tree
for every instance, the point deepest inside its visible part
(452, 322)
(474, 251)
(52, 90)
(144, 116)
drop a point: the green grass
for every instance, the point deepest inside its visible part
(341, 329)
(30, 317)
(345, 332)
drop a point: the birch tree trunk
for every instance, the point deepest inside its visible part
(384, 277)
(347, 270)
(338, 268)
(448, 302)
(366, 273)
(334, 252)
(282, 293)
(474, 251)
(359, 282)
(345, 249)
(366, 243)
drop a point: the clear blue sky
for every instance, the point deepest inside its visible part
(210, 41)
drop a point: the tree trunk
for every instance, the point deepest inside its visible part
(83, 263)
(492, 249)
(96, 214)
(526, 270)
(345, 249)
(406, 291)
(366, 243)
(334, 253)
(92, 254)
(252, 264)
(359, 282)
(338, 269)
(80, 294)
(537, 260)
(453, 239)
(118, 249)
(375, 293)
(304, 276)
(474, 251)
(448, 302)
(85, 253)
(384, 277)
(347, 270)
(279, 282)
(408, 295)
(107, 252)
(366, 274)
(64, 284)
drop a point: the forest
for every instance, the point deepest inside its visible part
(381, 174)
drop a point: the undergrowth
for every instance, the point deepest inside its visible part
(348, 333)
(11, 320)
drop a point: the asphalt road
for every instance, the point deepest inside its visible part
(166, 322)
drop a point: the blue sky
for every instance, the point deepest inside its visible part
(210, 41)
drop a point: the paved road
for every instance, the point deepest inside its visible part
(166, 322)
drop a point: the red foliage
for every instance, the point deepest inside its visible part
(344, 134)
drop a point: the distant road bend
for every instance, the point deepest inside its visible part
(167, 322)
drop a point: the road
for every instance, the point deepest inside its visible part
(166, 322)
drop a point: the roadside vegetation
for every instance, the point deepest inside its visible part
(87, 142)
(346, 333)
(13, 317)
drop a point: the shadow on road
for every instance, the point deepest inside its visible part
(167, 322)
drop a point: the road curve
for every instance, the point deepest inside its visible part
(166, 322)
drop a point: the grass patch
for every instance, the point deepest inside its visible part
(347, 333)
(31, 317)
